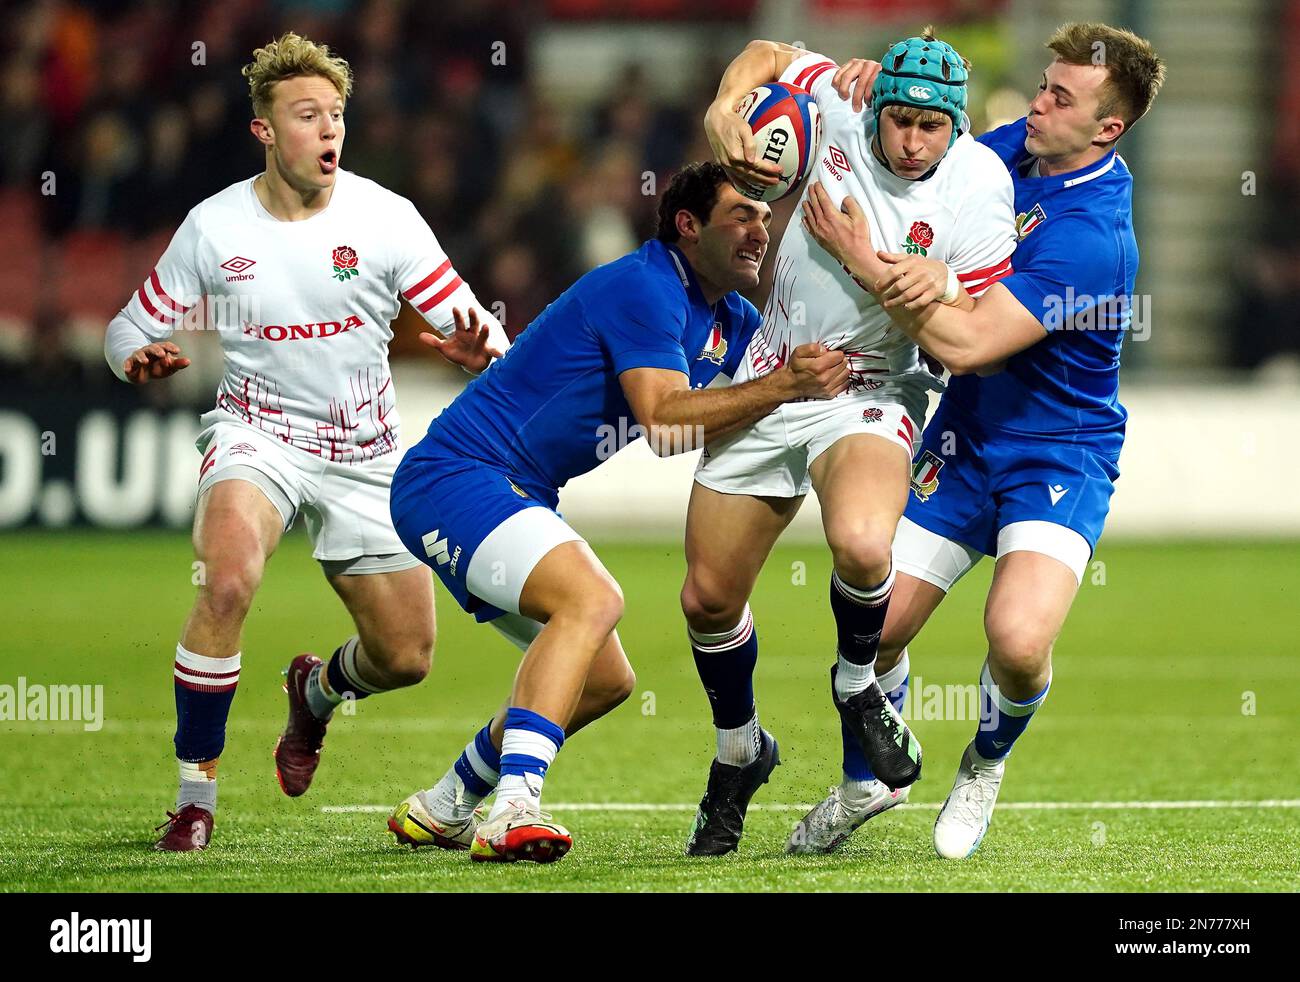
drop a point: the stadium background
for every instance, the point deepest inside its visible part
(528, 134)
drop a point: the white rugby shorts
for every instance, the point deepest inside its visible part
(345, 506)
(771, 458)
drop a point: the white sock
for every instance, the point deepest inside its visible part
(850, 679)
(525, 788)
(449, 800)
(857, 792)
(740, 746)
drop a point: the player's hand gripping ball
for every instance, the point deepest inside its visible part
(787, 129)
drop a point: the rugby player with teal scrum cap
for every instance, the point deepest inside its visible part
(931, 188)
(1019, 460)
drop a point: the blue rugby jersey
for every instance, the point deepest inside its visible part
(1075, 266)
(551, 408)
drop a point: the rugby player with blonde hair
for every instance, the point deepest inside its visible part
(301, 269)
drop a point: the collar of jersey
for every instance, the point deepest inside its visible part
(1072, 178)
(686, 274)
(260, 211)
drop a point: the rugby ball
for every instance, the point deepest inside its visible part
(787, 129)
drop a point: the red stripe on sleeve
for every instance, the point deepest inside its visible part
(440, 296)
(800, 78)
(150, 309)
(817, 73)
(427, 282)
(162, 294)
(977, 288)
(983, 274)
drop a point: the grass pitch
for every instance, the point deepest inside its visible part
(1176, 682)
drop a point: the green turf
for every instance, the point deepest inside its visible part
(1151, 677)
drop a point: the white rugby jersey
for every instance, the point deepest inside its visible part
(961, 214)
(303, 309)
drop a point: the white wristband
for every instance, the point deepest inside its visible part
(952, 289)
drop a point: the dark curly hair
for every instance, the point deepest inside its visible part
(695, 188)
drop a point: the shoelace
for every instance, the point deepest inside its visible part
(972, 796)
(522, 810)
(172, 818)
(892, 722)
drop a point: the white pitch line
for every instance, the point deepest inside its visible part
(635, 806)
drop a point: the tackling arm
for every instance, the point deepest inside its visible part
(975, 340)
(678, 418)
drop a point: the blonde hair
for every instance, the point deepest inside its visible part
(1134, 72)
(290, 56)
(907, 115)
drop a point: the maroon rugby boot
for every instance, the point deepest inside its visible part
(188, 830)
(297, 752)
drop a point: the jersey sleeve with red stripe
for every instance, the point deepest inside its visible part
(155, 310)
(428, 280)
(813, 73)
(171, 289)
(985, 232)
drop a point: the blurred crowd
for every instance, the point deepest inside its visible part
(121, 116)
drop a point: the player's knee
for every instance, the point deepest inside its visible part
(708, 605)
(601, 606)
(861, 552)
(1020, 650)
(227, 588)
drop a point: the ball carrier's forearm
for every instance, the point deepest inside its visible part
(758, 63)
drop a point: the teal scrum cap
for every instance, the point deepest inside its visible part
(925, 75)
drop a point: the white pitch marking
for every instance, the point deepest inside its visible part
(635, 806)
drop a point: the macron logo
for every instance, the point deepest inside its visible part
(102, 936)
(1057, 492)
(435, 548)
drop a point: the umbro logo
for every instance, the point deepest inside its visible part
(237, 266)
(1057, 492)
(837, 163)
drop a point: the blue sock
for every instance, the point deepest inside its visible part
(1002, 720)
(725, 662)
(525, 750)
(479, 764)
(529, 746)
(894, 682)
(205, 688)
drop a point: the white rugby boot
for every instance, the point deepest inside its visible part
(964, 817)
(414, 825)
(836, 817)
